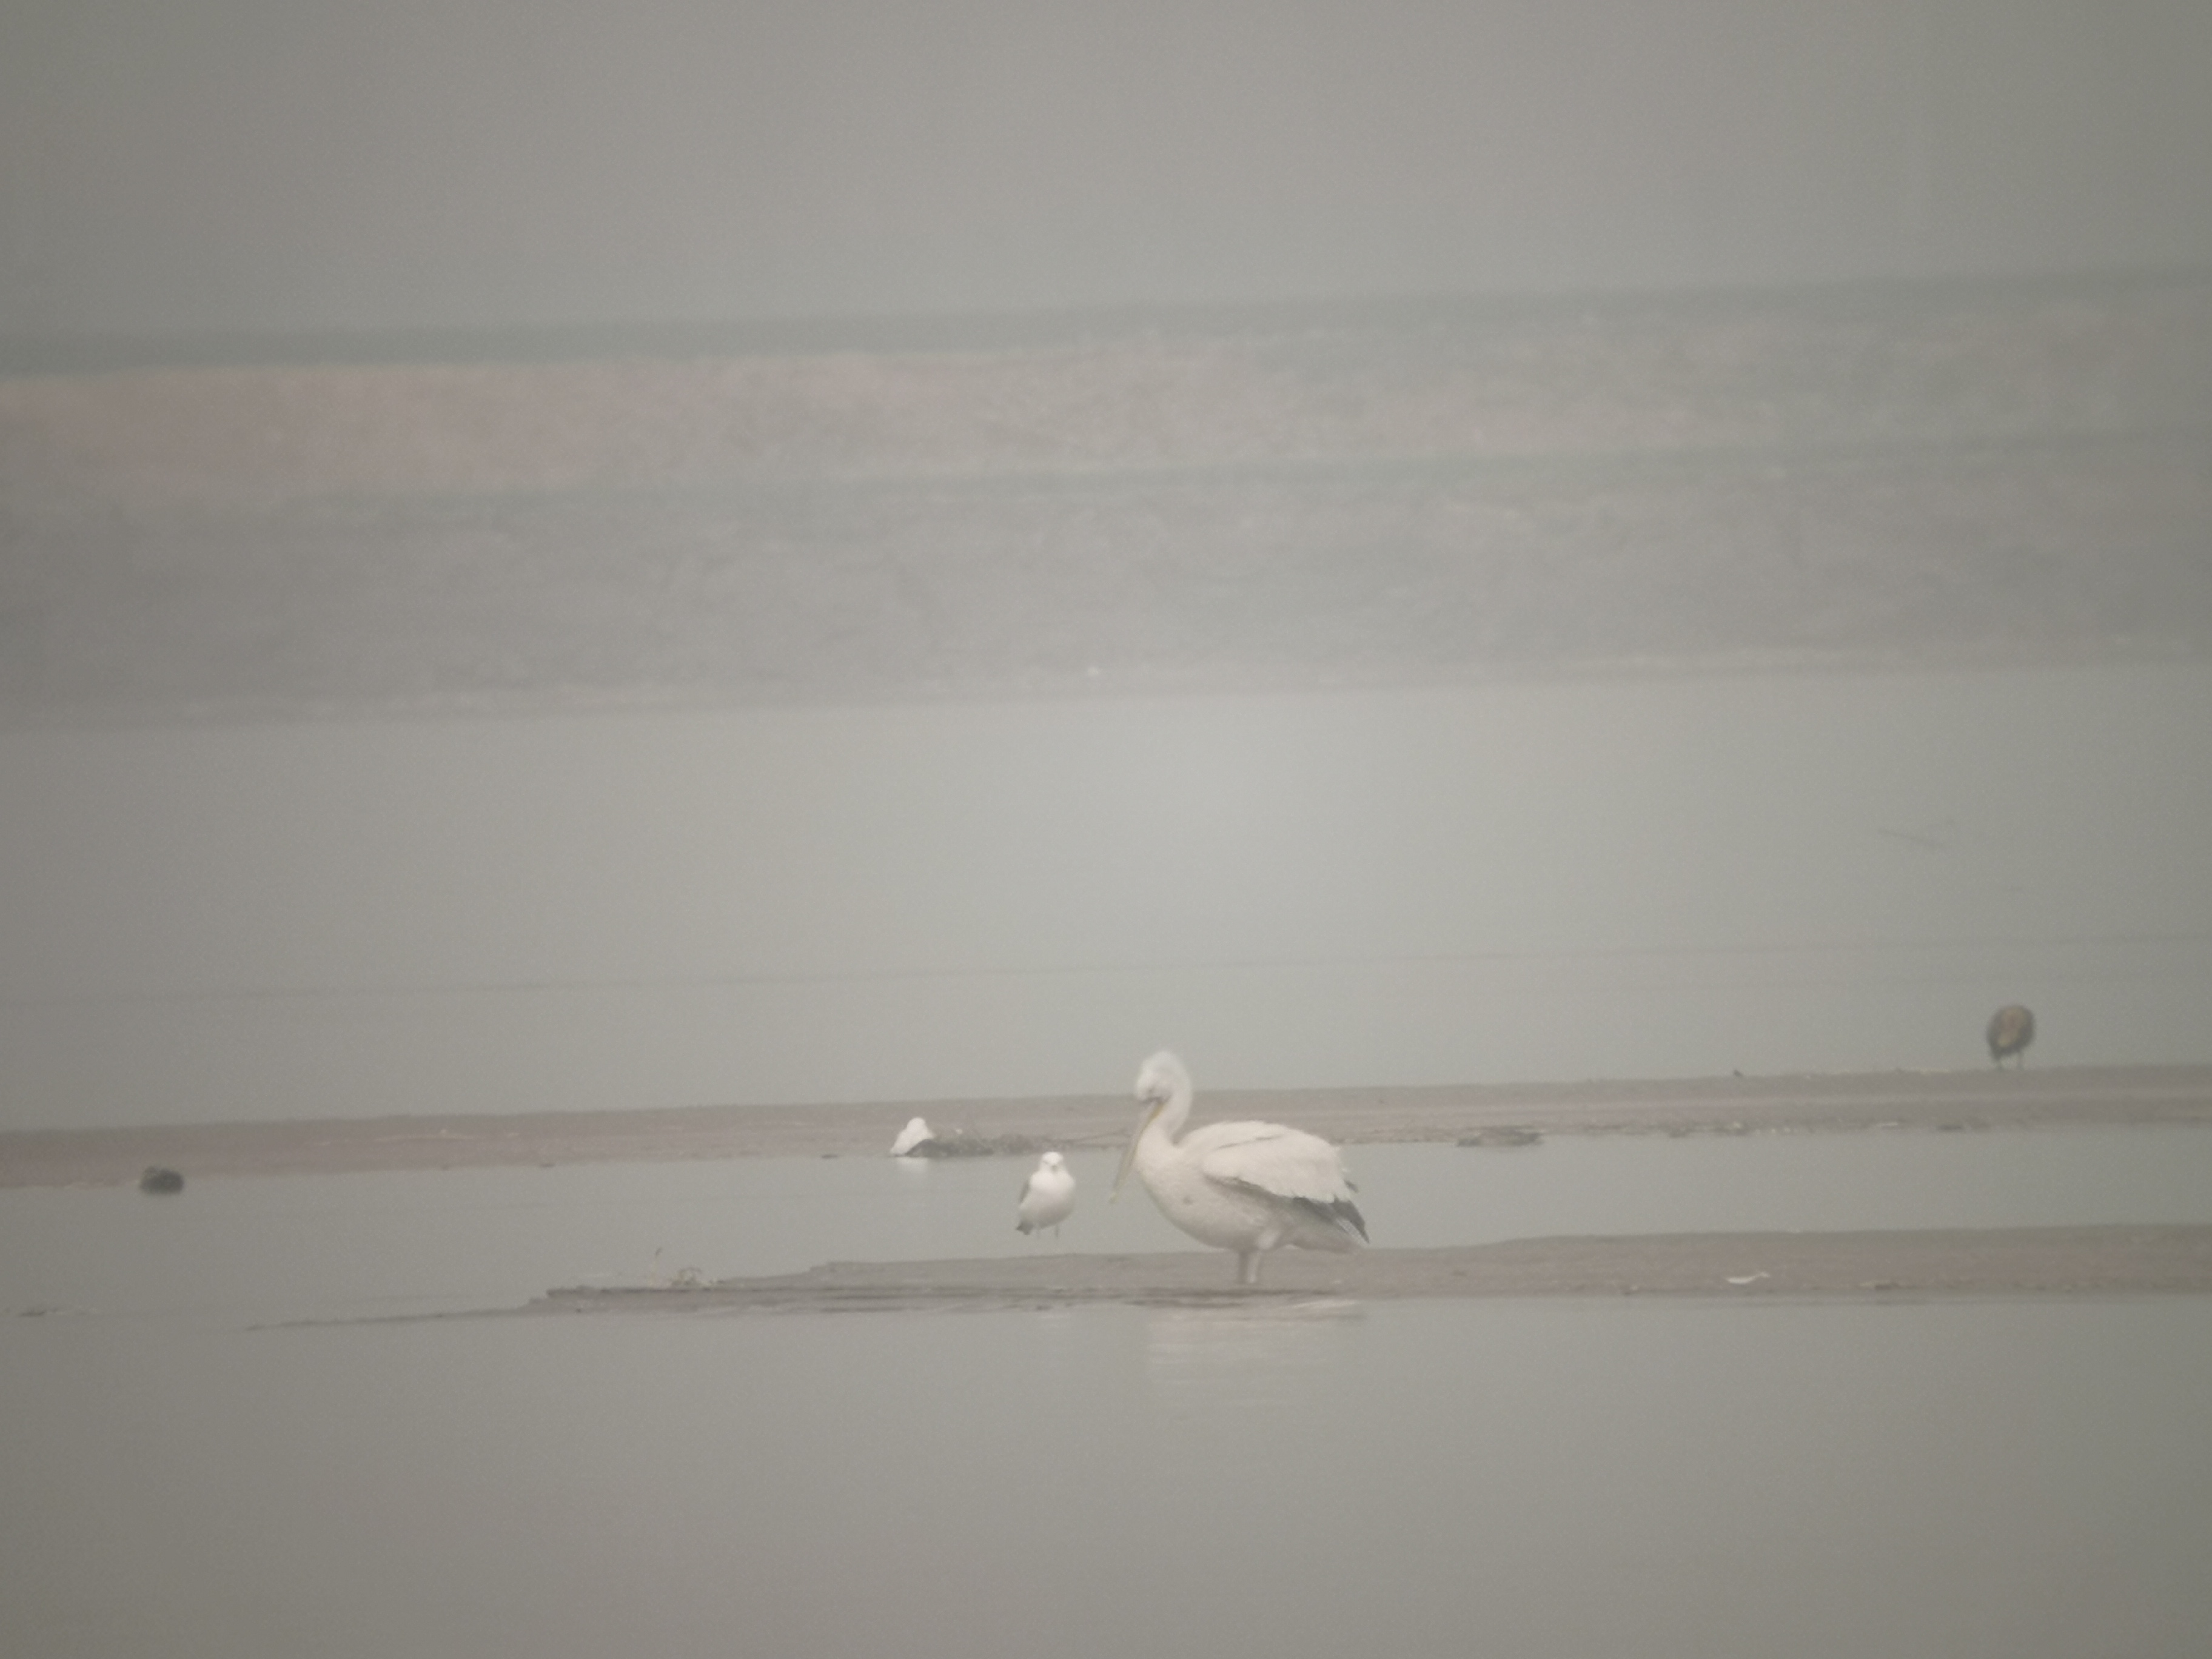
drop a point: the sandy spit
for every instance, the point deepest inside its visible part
(1899, 1101)
(1911, 1265)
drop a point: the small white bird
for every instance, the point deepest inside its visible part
(1241, 1187)
(917, 1132)
(1047, 1196)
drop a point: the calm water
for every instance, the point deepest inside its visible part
(240, 1251)
(2013, 1479)
(1633, 879)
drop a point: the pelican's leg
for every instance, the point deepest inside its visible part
(1247, 1266)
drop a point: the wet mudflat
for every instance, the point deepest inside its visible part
(1995, 1261)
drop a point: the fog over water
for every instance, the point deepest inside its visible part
(1671, 876)
(918, 418)
(585, 556)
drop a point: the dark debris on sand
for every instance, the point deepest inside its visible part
(960, 1144)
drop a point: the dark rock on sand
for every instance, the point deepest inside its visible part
(1505, 1136)
(960, 1144)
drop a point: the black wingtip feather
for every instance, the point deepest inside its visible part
(1339, 1213)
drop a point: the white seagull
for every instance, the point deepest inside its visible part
(1047, 1196)
(1241, 1187)
(916, 1131)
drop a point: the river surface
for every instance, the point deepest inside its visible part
(255, 1249)
(1663, 877)
(1637, 878)
(180, 1476)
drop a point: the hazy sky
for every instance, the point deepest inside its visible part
(305, 164)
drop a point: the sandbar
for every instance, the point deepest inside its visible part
(1929, 1102)
(1902, 1264)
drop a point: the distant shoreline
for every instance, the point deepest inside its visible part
(1916, 475)
(1919, 1102)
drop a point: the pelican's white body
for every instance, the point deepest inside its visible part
(1047, 1196)
(1242, 1187)
(917, 1132)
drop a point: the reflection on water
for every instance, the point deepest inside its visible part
(1259, 1352)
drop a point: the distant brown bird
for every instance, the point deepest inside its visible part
(159, 1180)
(2012, 1028)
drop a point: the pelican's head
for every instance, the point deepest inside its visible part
(1163, 1090)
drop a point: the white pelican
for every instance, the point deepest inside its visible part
(1047, 1196)
(1241, 1187)
(917, 1132)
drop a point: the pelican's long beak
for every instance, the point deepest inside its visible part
(1129, 1158)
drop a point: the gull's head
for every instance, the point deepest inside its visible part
(1052, 1161)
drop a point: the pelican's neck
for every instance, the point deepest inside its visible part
(1168, 1124)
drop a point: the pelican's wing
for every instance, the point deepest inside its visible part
(1279, 1163)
